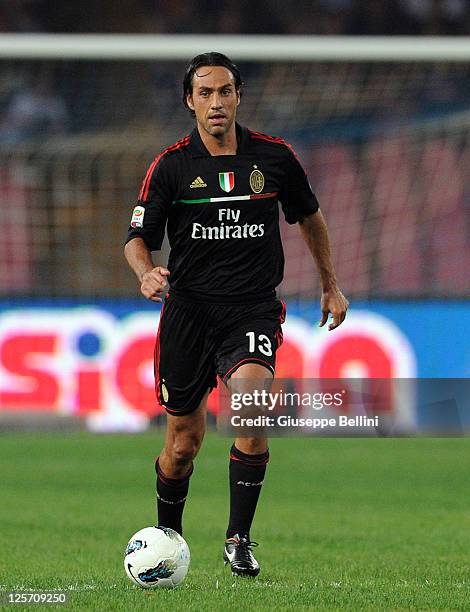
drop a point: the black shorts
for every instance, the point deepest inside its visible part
(196, 341)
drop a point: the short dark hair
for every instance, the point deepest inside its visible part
(209, 59)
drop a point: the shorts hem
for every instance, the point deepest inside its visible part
(173, 412)
(182, 412)
(229, 372)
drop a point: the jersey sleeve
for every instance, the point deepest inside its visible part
(149, 216)
(297, 198)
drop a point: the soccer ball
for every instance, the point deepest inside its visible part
(156, 557)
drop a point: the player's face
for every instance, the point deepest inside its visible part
(214, 99)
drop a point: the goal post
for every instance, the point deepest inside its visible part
(253, 48)
(382, 126)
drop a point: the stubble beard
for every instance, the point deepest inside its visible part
(218, 131)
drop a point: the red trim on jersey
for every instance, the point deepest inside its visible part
(247, 360)
(276, 140)
(144, 190)
(263, 196)
(262, 136)
(147, 176)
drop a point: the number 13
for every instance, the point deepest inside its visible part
(264, 345)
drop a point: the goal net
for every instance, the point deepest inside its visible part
(385, 142)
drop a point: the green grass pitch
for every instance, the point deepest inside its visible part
(353, 524)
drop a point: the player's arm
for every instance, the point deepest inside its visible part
(152, 278)
(147, 229)
(301, 206)
(315, 233)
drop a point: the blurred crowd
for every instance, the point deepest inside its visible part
(354, 17)
(115, 114)
(36, 102)
(32, 111)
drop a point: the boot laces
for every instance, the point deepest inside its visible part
(244, 548)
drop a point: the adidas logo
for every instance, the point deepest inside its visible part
(198, 182)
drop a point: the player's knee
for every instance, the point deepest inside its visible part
(185, 449)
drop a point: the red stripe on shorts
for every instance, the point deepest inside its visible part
(156, 359)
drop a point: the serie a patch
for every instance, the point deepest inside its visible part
(137, 219)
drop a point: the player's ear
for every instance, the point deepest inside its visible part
(189, 101)
(238, 97)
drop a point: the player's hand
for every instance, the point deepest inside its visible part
(154, 283)
(334, 302)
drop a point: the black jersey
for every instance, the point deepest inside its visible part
(222, 214)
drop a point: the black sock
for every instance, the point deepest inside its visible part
(246, 473)
(171, 496)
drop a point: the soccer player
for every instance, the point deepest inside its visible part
(217, 192)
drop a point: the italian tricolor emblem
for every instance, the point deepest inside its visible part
(226, 181)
